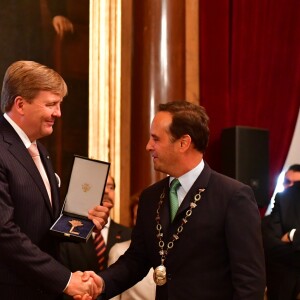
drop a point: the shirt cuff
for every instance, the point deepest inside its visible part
(291, 234)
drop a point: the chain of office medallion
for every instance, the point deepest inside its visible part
(163, 253)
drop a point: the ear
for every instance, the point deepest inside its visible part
(185, 142)
(19, 104)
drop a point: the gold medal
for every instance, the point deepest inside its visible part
(75, 223)
(160, 275)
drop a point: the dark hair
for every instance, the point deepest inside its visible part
(188, 118)
(113, 179)
(295, 168)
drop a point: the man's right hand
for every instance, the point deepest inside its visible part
(87, 283)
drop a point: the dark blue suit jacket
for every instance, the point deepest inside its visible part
(283, 259)
(219, 255)
(28, 265)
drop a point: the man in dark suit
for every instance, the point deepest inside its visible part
(80, 256)
(212, 249)
(281, 236)
(29, 269)
(291, 176)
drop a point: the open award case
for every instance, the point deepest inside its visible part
(85, 191)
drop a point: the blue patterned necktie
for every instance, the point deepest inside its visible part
(175, 184)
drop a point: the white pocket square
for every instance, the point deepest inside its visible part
(58, 180)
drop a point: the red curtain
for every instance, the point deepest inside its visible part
(250, 71)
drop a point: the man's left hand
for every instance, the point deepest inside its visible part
(99, 215)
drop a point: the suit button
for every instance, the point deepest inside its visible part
(169, 276)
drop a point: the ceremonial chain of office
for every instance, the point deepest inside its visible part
(160, 276)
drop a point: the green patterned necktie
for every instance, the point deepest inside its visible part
(175, 184)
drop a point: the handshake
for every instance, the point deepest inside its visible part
(84, 285)
(88, 285)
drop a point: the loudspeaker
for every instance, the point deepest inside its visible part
(245, 157)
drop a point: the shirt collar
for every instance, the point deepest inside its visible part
(18, 130)
(188, 179)
(108, 222)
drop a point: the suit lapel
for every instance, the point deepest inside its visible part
(52, 180)
(290, 208)
(200, 183)
(112, 235)
(21, 154)
(165, 208)
(30, 166)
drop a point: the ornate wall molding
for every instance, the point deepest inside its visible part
(104, 86)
